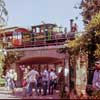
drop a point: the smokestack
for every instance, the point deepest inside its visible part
(65, 31)
(71, 24)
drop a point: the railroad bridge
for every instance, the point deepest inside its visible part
(42, 55)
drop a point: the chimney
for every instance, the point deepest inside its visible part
(71, 24)
(65, 31)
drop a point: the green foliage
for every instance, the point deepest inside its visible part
(85, 43)
(80, 44)
(2, 81)
(3, 21)
(97, 51)
(89, 9)
(2, 59)
(94, 24)
(12, 57)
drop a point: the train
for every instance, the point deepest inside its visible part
(38, 35)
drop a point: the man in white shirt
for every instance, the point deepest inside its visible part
(32, 80)
(52, 78)
(45, 79)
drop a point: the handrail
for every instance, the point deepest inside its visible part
(47, 41)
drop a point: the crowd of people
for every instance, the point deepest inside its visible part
(43, 82)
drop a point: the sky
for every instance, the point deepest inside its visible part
(26, 13)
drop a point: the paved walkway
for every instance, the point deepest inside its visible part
(4, 94)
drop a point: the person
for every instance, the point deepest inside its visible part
(39, 84)
(15, 77)
(52, 78)
(96, 76)
(55, 81)
(61, 82)
(11, 81)
(32, 80)
(45, 79)
(7, 80)
(25, 82)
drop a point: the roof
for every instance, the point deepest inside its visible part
(9, 31)
(21, 30)
(42, 25)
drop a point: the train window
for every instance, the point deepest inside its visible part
(34, 30)
(17, 38)
(17, 35)
(37, 30)
(55, 29)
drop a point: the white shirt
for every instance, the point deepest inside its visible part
(32, 76)
(45, 75)
(15, 76)
(52, 76)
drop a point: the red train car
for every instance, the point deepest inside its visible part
(14, 36)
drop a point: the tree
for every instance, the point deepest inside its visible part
(88, 43)
(91, 18)
(3, 13)
(3, 21)
(10, 58)
(94, 26)
(89, 9)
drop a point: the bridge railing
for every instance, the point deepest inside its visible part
(46, 41)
